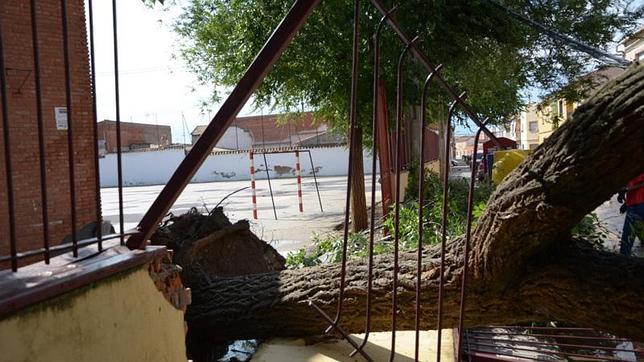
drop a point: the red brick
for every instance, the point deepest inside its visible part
(23, 132)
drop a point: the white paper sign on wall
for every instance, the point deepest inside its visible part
(61, 118)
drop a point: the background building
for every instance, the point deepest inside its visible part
(553, 114)
(528, 128)
(19, 69)
(133, 136)
(463, 146)
(268, 132)
(633, 46)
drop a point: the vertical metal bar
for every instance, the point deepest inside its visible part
(468, 234)
(397, 155)
(352, 130)
(41, 130)
(70, 126)
(469, 347)
(97, 172)
(421, 203)
(270, 187)
(374, 153)
(252, 184)
(399, 105)
(119, 160)
(315, 179)
(7, 158)
(271, 51)
(444, 223)
(385, 153)
(298, 175)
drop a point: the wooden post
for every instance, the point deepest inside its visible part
(384, 153)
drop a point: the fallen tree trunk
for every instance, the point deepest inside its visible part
(561, 287)
(523, 267)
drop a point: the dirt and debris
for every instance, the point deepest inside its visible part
(210, 246)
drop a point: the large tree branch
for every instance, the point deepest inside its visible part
(588, 288)
(522, 266)
(593, 288)
(577, 168)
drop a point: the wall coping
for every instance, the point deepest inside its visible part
(39, 282)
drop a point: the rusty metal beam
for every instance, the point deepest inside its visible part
(431, 69)
(384, 151)
(261, 65)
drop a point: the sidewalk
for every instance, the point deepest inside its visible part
(292, 229)
(609, 216)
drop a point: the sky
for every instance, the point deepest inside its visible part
(155, 85)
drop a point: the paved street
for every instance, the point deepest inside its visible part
(609, 216)
(291, 231)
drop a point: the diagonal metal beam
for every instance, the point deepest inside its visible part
(252, 78)
(431, 69)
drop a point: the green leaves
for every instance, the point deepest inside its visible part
(483, 51)
(328, 248)
(591, 230)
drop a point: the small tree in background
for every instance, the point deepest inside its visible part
(483, 51)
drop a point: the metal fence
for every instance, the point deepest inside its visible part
(49, 250)
(458, 100)
(268, 55)
(255, 73)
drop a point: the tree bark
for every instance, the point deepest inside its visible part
(414, 140)
(523, 265)
(583, 163)
(359, 218)
(561, 287)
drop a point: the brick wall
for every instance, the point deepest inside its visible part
(16, 30)
(269, 132)
(133, 134)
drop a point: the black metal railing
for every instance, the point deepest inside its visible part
(9, 121)
(469, 343)
(458, 100)
(498, 343)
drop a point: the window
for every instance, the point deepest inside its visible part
(533, 127)
(561, 108)
(639, 56)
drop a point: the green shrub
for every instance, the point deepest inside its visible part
(591, 230)
(328, 248)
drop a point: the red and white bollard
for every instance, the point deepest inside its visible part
(252, 184)
(299, 180)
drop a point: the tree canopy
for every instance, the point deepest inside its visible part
(483, 51)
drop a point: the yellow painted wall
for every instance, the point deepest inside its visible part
(633, 46)
(123, 318)
(545, 117)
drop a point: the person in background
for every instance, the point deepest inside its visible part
(633, 198)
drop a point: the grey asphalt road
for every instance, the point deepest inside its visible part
(611, 219)
(292, 230)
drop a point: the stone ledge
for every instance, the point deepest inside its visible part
(39, 282)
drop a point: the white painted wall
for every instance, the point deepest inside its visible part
(156, 167)
(527, 137)
(235, 139)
